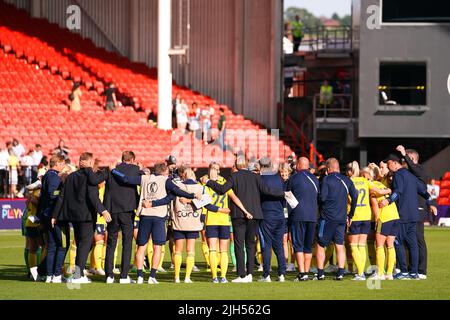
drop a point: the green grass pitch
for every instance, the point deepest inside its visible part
(15, 285)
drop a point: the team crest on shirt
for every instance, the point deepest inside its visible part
(152, 187)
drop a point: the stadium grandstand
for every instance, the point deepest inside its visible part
(40, 63)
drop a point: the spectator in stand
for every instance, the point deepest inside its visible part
(326, 94)
(152, 118)
(74, 97)
(182, 116)
(222, 126)
(175, 102)
(37, 157)
(206, 114)
(194, 121)
(43, 164)
(27, 164)
(18, 148)
(110, 96)
(14, 168)
(433, 189)
(4, 156)
(297, 32)
(62, 149)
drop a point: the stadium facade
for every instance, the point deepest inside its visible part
(403, 76)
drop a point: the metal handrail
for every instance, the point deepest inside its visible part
(326, 38)
(346, 106)
(295, 133)
(313, 153)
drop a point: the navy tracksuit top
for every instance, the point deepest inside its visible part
(306, 189)
(334, 197)
(272, 207)
(405, 187)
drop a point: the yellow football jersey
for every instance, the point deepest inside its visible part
(221, 201)
(32, 210)
(363, 212)
(101, 195)
(389, 212)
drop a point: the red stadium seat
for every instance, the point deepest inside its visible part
(38, 91)
(445, 184)
(446, 176)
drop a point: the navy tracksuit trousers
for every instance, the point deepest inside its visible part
(407, 235)
(271, 234)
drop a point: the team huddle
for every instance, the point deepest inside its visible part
(366, 217)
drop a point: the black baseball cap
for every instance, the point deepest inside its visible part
(392, 157)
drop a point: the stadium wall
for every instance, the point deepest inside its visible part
(427, 43)
(235, 46)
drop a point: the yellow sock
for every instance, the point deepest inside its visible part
(103, 256)
(205, 250)
(223, 264)
(32, 259)
(190, 260)
(150, 253)
(381, 257)
(72, 255)
(390, 260)
(161, 260)
(258, 252)
(177, 262)
(218, 255)
(363, 256)
(98, 251)
(213, 262)
(356, 254)
(173, 253)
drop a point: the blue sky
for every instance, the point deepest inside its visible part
(322, 7)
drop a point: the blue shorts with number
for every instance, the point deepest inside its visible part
(221, 232)
(331, 231)
(359, 227)
(388, 228)
(154, 226)
(179, 235)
